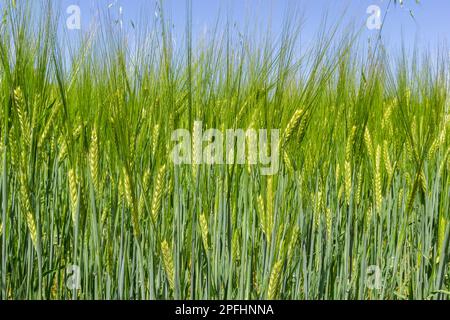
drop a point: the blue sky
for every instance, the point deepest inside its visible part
(429, 28)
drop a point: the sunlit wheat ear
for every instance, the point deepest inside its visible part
(359, 186)
(62, 148)
(170, 184)
(423, 181)
(412, 151)
(204, 230)
(348, 166)
(77, 131)
(368, 143)
(377, 180)
(128, 192)
(73, 193)
(338, 174)
(348, 181)
(22, 115)
(13, 149)
(350, 143)
(168, 263)
(368, 218)
(291, 126)
(328, 222)
(158, 193)
(155, 139)
(93, 159)
(196, 148)
(146, 180)
(386, 117)
(387, 162)
(274, 281)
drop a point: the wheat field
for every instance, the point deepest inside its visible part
(92, 207)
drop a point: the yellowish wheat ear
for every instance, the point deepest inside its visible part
(196, 148)
(359, 186)
(350, 143)
(368, 142)
(347, 181)
(63, 149)
(328, 221)
(274, 281)
(158, 193)
(23, 121)
(292, 125)
(204, 230)
(155, 139)
(93, 159)
(127, 188)
(73, 193)
(377, 180)
(168, 263)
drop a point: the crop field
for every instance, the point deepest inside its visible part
(356, 204)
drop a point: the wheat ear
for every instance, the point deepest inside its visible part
(274, 281)
(204, 230)
(158, 193)
(377, 180)
(292, 125)
(168, 263)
